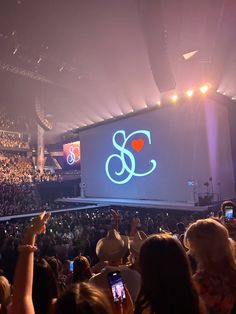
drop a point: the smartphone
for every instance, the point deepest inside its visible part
(229, 212)
(117, 286)
(71, 266)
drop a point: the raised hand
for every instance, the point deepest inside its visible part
(36, 226)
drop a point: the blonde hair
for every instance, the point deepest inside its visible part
(209, 242)
(5, 293)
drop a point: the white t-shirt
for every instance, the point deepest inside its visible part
(131, 278)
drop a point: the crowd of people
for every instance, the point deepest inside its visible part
(46, 176)
(12, 140)
(169, 263)
(77, 232)
(18, 192)
(108, 260)
(8, 123)
(10, 132)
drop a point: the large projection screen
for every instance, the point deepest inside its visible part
(166, 154)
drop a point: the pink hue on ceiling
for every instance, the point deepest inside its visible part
(104, 43)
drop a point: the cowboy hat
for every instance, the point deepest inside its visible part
(113, 247)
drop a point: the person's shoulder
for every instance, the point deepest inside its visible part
(127, 268)
(130, 272)
(92, 279)
(97, 277)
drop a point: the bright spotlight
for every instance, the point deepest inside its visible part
(174, 98)
(159, 103)
(204, 89)
(189, 93)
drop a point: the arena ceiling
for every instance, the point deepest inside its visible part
(91, 60)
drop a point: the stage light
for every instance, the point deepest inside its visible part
(218, 91)
(15, 51)
(159, 103)
(189, 55)
(190, 93)
(224, 93)
(204, 89)
(145, 106)
(174, 98)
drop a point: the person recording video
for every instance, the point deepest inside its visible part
(227, 216)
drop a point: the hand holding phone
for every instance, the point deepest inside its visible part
(117, 286)
(228, 209)
(229, 212)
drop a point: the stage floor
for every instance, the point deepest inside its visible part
(136, 203)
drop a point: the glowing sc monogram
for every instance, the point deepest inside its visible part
(71, 157)
(127, 170)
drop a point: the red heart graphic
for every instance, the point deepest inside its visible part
(137, 144)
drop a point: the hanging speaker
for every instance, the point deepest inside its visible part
(150, 12)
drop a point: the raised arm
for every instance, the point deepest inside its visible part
(116, 219)
(23, 280)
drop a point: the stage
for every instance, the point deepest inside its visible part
(184, 206)
(52, 211)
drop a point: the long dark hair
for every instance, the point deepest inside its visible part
(82, 271)
(167, 285)
(44, 286)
